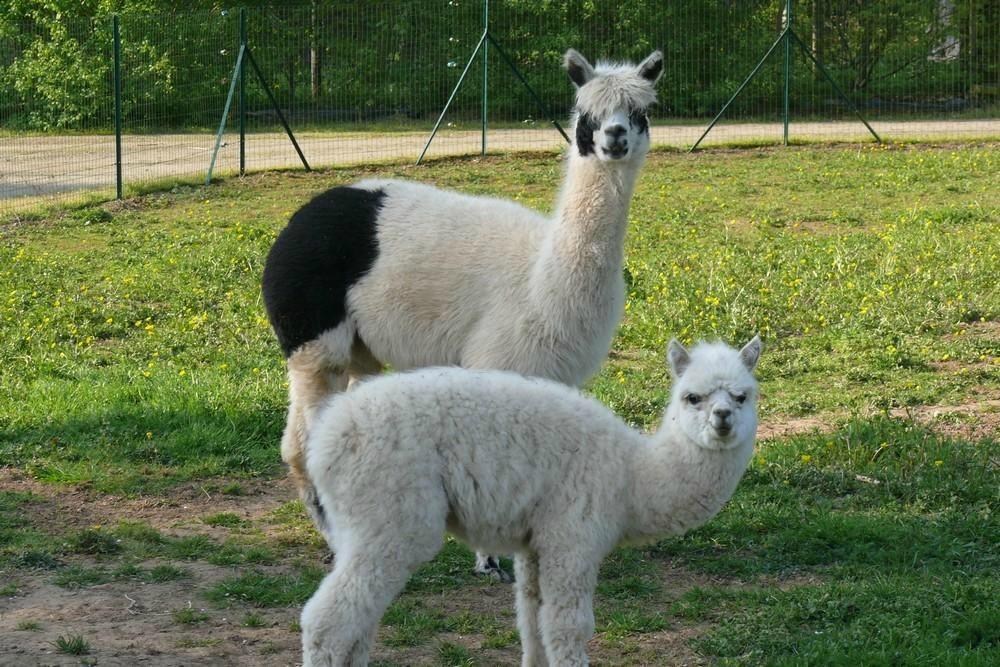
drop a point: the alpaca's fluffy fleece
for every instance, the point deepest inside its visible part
(387, 272)
(513, 465)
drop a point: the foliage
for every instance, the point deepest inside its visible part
(337, 61)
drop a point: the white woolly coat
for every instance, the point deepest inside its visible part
(506, 464)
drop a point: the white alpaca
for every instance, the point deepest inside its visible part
(390, 272)
(514, 465)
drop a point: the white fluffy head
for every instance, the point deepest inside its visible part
(714, 398)
(611, 101)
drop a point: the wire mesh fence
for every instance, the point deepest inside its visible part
(367, 82)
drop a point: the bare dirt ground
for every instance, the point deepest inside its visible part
(32, 167)
(128, 622)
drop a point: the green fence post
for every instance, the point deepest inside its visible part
(531, 91)
(117, 40)
(243, 93)
(850, 103)
(454, 92)
(739, 90)
(486, 62)
(788, 64)
(276, 107)
(225, 114)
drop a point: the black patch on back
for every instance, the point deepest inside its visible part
(585, 128)
(328, 245)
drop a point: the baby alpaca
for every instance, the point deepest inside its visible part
(514, 465)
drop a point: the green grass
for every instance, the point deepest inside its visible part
(453, 655)
(253, 620)
(224, 519)
(262, 589)
(879, 620)
(135, 355)
(189, 616)
(72, 645)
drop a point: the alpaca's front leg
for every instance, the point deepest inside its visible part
(529, 599)
(567, 583)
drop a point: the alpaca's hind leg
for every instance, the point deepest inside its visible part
(340, 620)
(315, 370)
(567, 579)
(529, 599)
(489, 566)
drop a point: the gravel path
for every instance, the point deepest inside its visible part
(32, 167)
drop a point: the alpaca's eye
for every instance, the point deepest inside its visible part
(693, 399)
(639, 121)
(740, 398)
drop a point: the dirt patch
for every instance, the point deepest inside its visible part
(782, 428)
(666, 647)
(64, 508)
(129, 621)
(990, 330)
(954, 366)
(974, 420)
(132, 623)
(971, 421)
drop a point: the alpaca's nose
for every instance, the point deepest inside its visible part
(722, 413)
(616, 132)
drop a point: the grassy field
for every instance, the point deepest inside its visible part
(142, 398)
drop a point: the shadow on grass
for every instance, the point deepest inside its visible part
(144, 449)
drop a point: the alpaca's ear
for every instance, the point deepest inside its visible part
(580, 71)
(750, 353)
(678, 357)
(652, 67)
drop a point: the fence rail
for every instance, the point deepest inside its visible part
(365, 82)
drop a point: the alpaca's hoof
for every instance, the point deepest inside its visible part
(328, 558)
(491, 568)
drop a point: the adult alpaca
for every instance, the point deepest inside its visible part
(404, 274)
(517, 465)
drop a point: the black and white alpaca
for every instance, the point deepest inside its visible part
(409, 275)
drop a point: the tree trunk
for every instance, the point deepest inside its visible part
(818, 34)
(315, 71)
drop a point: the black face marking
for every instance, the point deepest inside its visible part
(585, 128)
(328, 245)
(639, 121)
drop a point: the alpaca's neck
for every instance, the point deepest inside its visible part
(583, 252)
(677, 485)
(592, 212)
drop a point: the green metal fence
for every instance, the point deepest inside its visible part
(99, 104)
